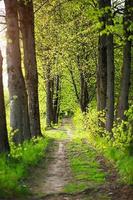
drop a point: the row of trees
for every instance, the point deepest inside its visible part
(66, 51)
(23, 87)
(87, 42)
(106, 65)
(81, 47)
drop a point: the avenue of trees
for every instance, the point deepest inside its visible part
(69, 54)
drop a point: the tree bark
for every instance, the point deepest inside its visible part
(49, 98)
(126, 68)
(19, 118)
(102, 62)
(56, 100)
(110, 75)
(4, 144)
(84, 96)
(26, 15)
(74, 85)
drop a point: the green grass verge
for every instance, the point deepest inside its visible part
(121, 159)
(116, 150)
(15, 168)
(85, 168)
(123, 162)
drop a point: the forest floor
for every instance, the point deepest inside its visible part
(57, 178)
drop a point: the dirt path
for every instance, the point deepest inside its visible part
(48, 180)
(53, 178)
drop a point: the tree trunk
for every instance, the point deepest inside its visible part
(56, 100)
(26, 16)
(4, 144)
(126, 68)
(19, 118)
(74, 85)
(84, 96)
(49, 98)
(110, 76)
(102, 62)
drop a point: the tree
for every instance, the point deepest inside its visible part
(126, 68)
(81, 55)
(52, 98)
(110, 73)
(19, 118)
(26, 16)
(102, 59)
(56, 99)
(49, 97)
(4, 144)
(84, 93)
(48, 50)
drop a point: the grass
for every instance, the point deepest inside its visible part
(74, 187)
(15, 168)
(123, 162)
(85, 168)
(113, 151)
(121, 159)
(56, 135)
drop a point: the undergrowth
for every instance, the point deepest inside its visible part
(14, 167)
(116, 148)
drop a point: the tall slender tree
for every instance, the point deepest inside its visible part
(26, 15)
(84, 95)
(110, 73)
(102, 60)
(19, 118)
(49, 98)
(126, 68)
(56, 97)
(4, 144)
